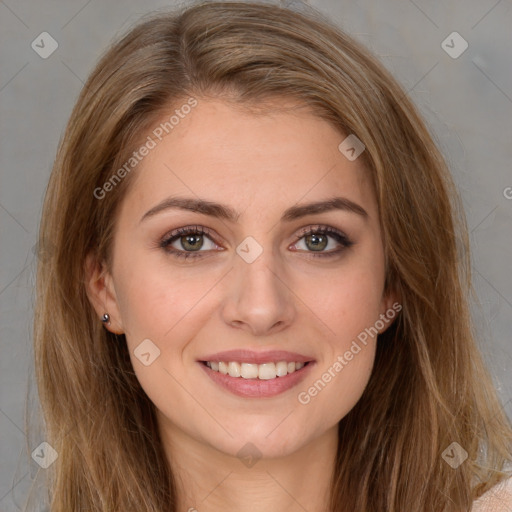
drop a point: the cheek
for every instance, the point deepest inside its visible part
(349, 306)
(151, 306)
(145, 298)
(158, 302)
(347, 300)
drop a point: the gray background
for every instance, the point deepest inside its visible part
(467, 102)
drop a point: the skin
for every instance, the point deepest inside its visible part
(259, 165)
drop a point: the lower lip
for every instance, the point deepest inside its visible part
(258, 388)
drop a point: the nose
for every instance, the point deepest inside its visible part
(258, 298)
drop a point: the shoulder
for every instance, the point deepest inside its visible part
(496, 499)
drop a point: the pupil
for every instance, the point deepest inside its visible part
(318, 245)
(192, 241)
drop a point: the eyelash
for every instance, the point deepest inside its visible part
(168, 239)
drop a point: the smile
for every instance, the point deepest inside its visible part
(265, 371)
(256, 374)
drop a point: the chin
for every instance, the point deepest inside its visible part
(261, 439)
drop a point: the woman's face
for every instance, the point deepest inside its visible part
(255, 283)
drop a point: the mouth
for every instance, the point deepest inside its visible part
(257, 374)
(265, 371)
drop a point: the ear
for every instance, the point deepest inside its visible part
(100, 290)
(391, 305)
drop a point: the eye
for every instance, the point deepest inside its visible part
(316, 239)
(184, 242)
(188, 241)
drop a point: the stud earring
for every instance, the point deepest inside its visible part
(106, 318)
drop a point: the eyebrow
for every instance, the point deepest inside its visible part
(223, 211)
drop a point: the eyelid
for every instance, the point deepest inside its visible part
(185, 230)
(320, 228)
(340, 237)
(165, 242)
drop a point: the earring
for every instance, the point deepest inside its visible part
(106, 318)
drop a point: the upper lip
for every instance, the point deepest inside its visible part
(250, 356)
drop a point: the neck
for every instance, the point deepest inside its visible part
(213, 481)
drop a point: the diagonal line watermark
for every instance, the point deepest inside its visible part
(206, 293)
(13, 13)
(485, 15)
(14, 218)
(167, 167)
(300, 299)
(482, 221)
(492, 81)
(284, 489)
(39, 469)
(12, 488)
(424, 14)
(280, 423)
(198, 402)
(417, 83)
(15, 75)
(493, 287)
(83, 83)
(14, 279)
(216, 486)
(75, 15)
(308, 191)
(8, 417)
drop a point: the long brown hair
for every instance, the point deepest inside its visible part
(429, 386)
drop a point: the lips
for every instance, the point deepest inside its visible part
(250, 356)
(255, 384)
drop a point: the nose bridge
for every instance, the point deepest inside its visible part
(260, 275)
(257, 268)
(259, 299)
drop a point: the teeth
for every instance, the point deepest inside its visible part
(249, 371)
(234, 369)
(265, 371)
(281, 369)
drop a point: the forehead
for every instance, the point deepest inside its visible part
(281, 153)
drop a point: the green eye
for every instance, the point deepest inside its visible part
(192, 240)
